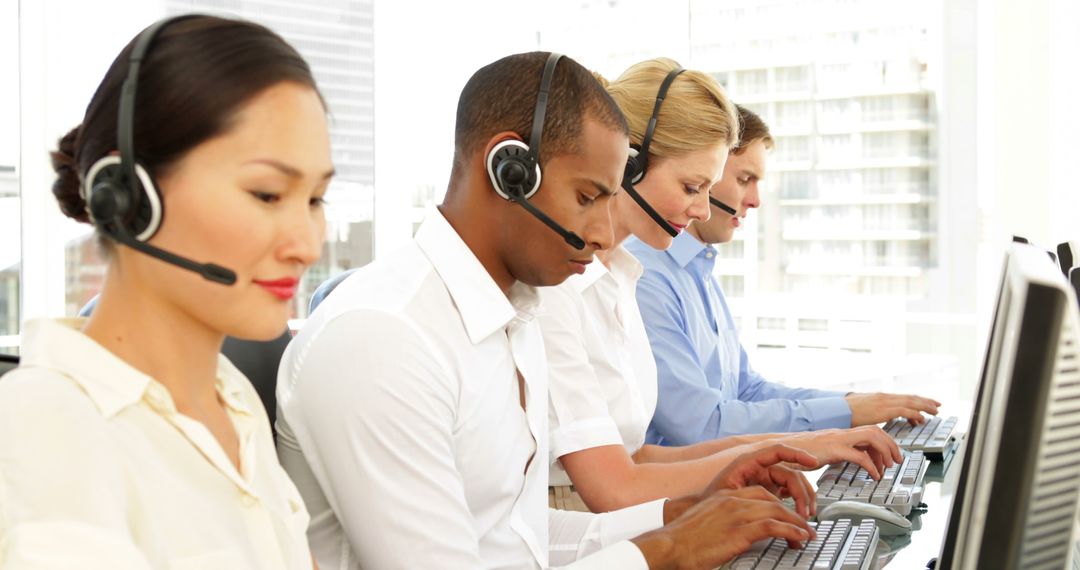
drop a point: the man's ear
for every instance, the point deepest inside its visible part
(498, 138)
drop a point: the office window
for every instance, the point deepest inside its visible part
(793, 149)
(837, 184)
(9, 252)
(905, 107)
(84, 271)
(10, 215)
(839, 148)
(792, 79)
(793, 116)
(818, 325)
(751, 81)
(762, 109)
(912, 180)
(834, 75)
(771, 323)
(838, 114)
(733, 250)
(794, 185)
(733, 285)
(902, 73)
(902, 144)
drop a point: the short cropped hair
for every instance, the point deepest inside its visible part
(752, 128)
(501, 96)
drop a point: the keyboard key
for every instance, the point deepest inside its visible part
(932, 436)
(838, 544)
(899, 498)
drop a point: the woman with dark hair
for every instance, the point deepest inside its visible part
(126, 440)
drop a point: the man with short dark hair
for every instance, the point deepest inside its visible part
(414, 402)
(707, 388)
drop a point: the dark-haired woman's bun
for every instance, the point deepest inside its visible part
(67, 187)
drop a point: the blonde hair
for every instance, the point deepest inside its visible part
(696, 113)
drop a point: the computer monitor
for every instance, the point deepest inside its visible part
(1021, 239)
(1068, 255)
(1074, 278)
(1017, 491)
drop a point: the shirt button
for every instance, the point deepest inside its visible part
(248, 500)
(709, 255)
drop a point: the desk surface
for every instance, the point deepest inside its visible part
(923, 544)
(913, 551)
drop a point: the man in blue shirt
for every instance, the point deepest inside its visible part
(707, 388)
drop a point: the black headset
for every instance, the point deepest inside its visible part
(121, 197)
(637, 165)
(514, 167)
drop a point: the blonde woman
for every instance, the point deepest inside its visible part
(709, 388)
(603, 382)
(126, 440)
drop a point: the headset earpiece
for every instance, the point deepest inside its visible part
(637, 162)
(635, 170)
(121, 197)
(109, 197)
(508, 168)
(514, 167)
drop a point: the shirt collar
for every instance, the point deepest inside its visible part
(622, 265)
(685, 248)
(232, 385)
(111, 383)
(60, 345)
(483, 307)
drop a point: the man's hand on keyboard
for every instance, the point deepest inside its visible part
(869, 409)
(763, 467)
(719, 527)
(868, 447)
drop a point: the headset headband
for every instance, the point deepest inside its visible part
(125, 138)
(541, 109)
(647, 138)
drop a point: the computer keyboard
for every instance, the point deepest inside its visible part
(840, 545)
(900, 487)
(932, 438)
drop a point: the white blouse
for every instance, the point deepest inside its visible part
(602, 374)
(99, 470)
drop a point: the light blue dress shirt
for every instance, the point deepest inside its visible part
(707, 388)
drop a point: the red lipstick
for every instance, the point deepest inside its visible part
(284, 288)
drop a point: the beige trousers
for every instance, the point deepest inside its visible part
(565, 498)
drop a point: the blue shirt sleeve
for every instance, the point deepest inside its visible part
(689, 410)
(753, 387)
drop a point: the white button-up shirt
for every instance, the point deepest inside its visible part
(601, 369)
(402, 424)
(99, 470)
